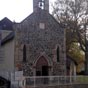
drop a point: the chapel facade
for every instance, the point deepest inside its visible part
(40, 43)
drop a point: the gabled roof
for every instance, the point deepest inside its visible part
(6, 24)
(8, 38)
(41, 14)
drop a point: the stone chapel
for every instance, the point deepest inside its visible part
(40, 43)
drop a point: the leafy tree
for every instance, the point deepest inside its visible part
(73, 15)
(76, 53)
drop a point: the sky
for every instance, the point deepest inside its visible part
(16, 10)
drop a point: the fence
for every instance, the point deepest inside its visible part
(53, 80)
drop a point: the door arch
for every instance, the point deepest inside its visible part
(42, 67)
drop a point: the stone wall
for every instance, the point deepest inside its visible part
(40, 41)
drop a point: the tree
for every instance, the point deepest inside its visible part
(73, 15)
(76, 53)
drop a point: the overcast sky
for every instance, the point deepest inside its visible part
(16, 10)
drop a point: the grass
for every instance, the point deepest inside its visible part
(82, 79)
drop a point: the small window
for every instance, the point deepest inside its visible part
(42, 26)
(58, 54)
(24, 53)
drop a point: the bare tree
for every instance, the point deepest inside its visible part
(73, 15)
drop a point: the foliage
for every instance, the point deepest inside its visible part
(76, 53)
(73, 16)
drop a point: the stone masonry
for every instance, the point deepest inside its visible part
(41, 34)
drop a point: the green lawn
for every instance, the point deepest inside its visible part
(82, 79)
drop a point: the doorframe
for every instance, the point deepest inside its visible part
(50, 63)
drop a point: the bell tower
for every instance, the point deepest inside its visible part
(42, 4)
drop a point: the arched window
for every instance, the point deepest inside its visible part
(24, 53)
(58, 54)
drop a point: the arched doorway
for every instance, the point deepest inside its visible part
(42, 68)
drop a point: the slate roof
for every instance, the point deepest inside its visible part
(6, 24)
(8, 38)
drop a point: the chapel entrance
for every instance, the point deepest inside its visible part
(42, 68)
